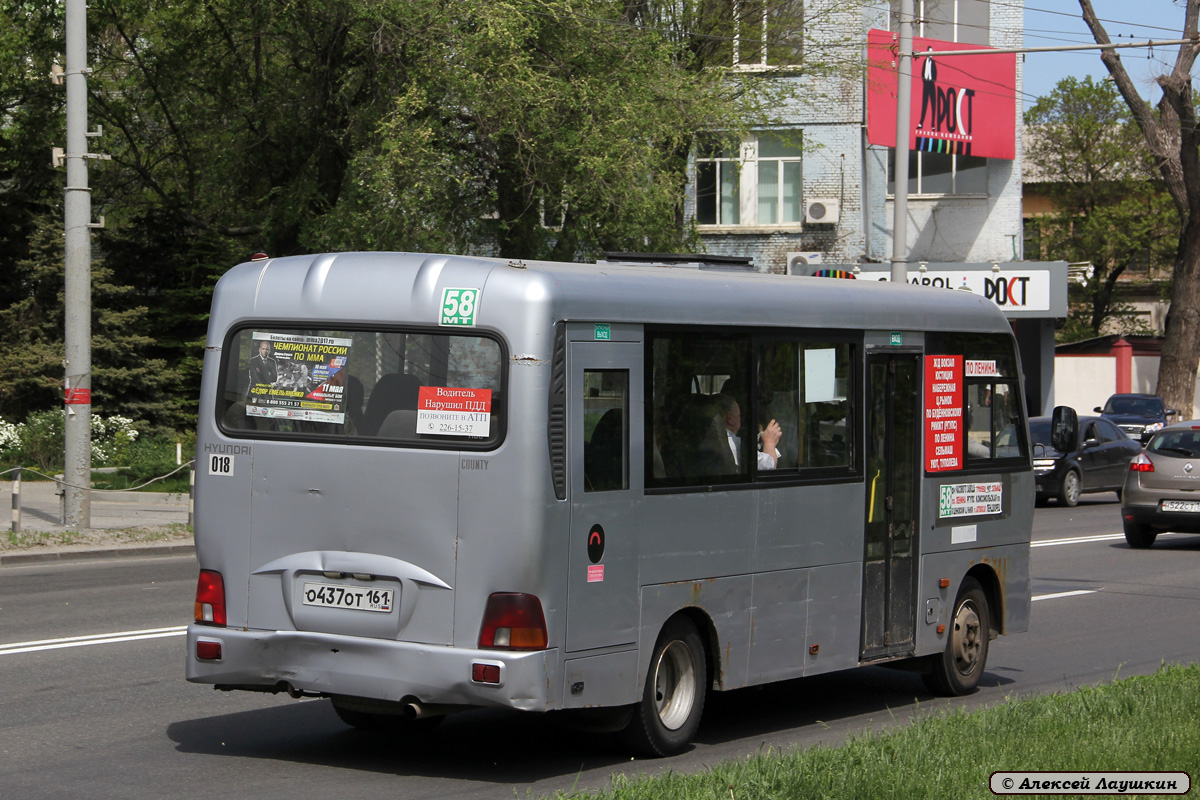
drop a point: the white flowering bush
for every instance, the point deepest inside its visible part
(111, 439)
(38, 442)
(10, 437)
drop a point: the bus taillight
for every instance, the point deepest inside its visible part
(513, 621)
(210, 598)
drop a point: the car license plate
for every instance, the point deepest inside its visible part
(357, 598)
(1188, 506)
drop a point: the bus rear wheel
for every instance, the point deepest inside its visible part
(668, 715)
(958, 669)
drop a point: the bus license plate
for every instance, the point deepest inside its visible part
(357, 598)
(1189, 506)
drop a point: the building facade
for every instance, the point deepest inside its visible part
(814, 190)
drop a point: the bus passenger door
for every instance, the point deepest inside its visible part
(605, 446)
(893, 452)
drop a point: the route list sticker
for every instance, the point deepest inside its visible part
(970, 499)
(442, 411)
(943, 413)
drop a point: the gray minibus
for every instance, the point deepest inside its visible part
(428, 483)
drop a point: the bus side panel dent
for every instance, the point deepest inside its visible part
(725, 601)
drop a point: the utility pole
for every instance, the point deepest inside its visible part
(77, 216)
(903, 121)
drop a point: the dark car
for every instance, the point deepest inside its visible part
(1139, 415)
(1162, 486)
(1097, 463)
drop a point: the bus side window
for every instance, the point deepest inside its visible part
(606, 430)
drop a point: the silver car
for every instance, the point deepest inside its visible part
(1162, 486)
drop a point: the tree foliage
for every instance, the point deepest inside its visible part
(522, 128)
(1171, 133)
(1111, 206)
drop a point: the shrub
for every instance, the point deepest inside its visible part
(40, 440)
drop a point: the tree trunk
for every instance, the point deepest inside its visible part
(1177, 367)
(1172, 136)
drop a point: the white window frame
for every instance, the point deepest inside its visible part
(746, 165)
(764, 7)
(918, 175)
(959, 28)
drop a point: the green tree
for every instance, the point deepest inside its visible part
(31, 119)
(1171, 133)
(124, 380)
(524, 128)
(1112, 208)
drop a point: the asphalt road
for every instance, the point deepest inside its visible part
(106, 716)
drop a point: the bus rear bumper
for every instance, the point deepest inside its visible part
(321, 663)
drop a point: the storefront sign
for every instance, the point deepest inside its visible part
(961, 105)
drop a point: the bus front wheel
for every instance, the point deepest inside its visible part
(668, 715)
(958, 669)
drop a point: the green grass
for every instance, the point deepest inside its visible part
(1148, 722)
(137, 480)
(171, 531)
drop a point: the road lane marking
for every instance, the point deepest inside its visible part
(1102, 537)
(1057, 595)
(85, 641)
(1106, 537)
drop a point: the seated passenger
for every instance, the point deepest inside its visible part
(770, 435)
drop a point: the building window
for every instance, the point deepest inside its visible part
(949, 20)
(766, 174)
(767, 32)
(718, 182)
(940, 173)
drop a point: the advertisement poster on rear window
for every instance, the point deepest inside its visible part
(297, 377)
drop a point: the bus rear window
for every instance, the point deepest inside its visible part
(423, 388)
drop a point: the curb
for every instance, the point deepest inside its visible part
(97, 554)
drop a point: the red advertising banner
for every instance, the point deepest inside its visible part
(944, 432)
(963, 105)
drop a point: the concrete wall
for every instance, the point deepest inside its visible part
(1084, 382)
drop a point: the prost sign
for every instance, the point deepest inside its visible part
(943, 413)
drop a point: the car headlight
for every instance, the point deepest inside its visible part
(1154, 426)
(1043, 463)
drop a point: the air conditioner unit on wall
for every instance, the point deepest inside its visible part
(798, 263)
(821, 211)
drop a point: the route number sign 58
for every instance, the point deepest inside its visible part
(459, 307)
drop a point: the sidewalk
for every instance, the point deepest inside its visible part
(41, 512)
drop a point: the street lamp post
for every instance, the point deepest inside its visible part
(77, 215)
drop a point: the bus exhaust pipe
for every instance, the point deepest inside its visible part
(415, 709)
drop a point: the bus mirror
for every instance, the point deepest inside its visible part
(1064, 429)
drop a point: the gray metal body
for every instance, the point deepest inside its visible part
(772, 575)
